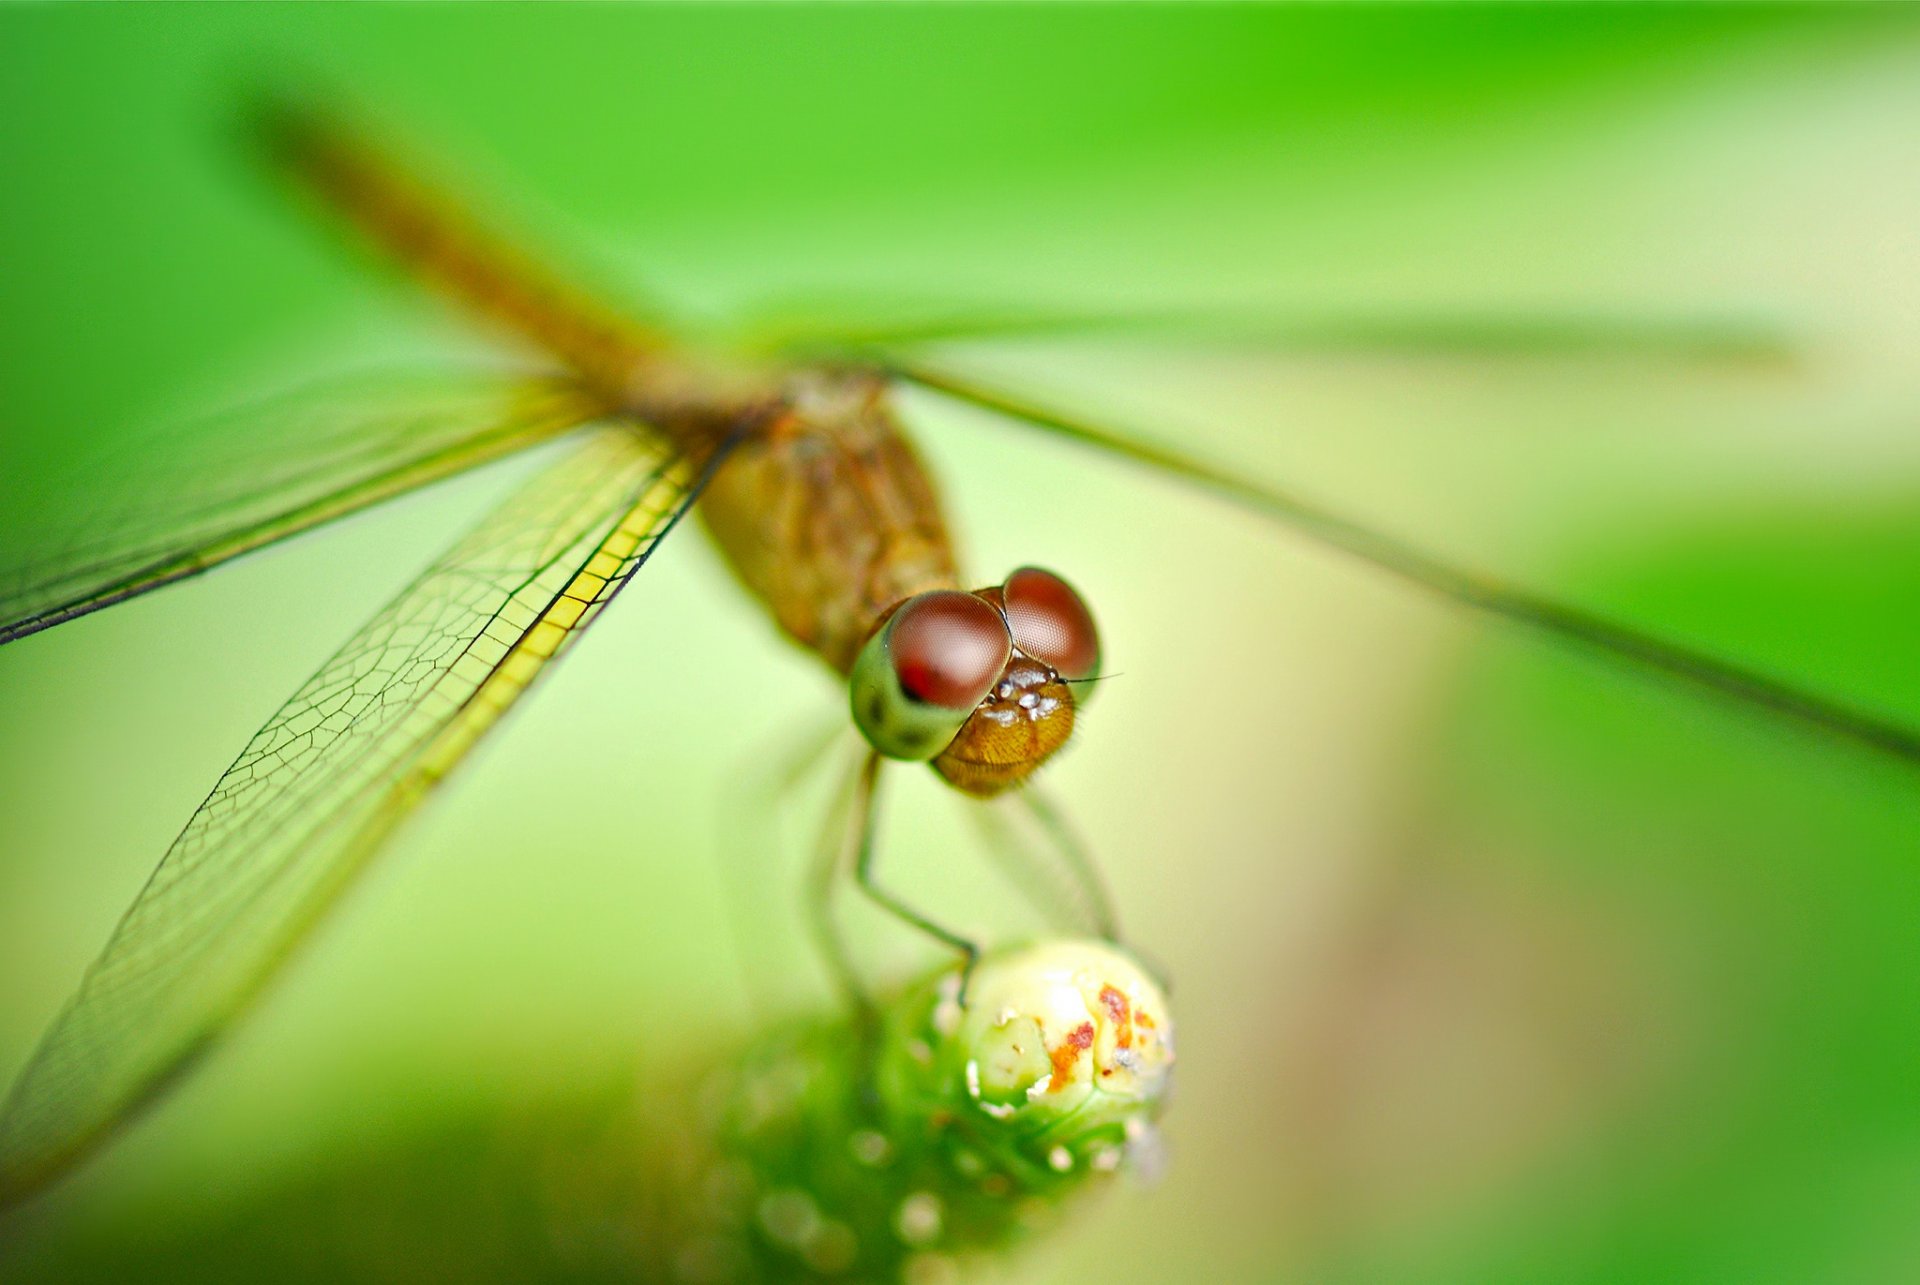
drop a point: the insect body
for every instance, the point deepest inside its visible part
(808, 487)
(822, 508)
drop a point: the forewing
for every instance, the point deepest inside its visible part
(197, 494)
(309, 801)
(803, 332)
(1614, 640)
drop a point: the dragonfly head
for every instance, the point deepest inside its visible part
(979, 684)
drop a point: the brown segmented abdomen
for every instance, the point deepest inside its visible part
(438, 244)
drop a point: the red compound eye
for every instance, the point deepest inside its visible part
(948, 648)
(1051, 623)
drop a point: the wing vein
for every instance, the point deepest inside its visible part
(307, 804)
(1620, 642)
(228, 501)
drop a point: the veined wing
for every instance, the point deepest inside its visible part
(1706, 340)
(1619, 642)
(229, 485)
(309, 801)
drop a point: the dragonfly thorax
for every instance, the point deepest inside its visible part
(826, 514)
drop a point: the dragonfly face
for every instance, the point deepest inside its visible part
(977, 683)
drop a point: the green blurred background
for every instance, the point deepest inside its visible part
(1492, 963)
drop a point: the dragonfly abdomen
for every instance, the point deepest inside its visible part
(445, 249)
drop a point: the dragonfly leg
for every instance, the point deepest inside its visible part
(1090, 884)
(1057, 874)
(829, 873)
(754, 842)
(1046, 860)
(866, 875)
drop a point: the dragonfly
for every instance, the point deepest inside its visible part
(797, 460)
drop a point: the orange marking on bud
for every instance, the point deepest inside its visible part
(1120, 1013)
(1077, 1042)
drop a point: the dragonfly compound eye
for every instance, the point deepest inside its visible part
(1051, 623)
(921, 675)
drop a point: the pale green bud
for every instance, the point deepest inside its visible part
(1061, 1056)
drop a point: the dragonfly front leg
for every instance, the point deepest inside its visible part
(829, 873)
(754, 841)
(866, 804)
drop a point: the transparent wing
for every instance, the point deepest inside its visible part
(309, 801)
(823, 331)
(1618, 642)
(204, 492)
